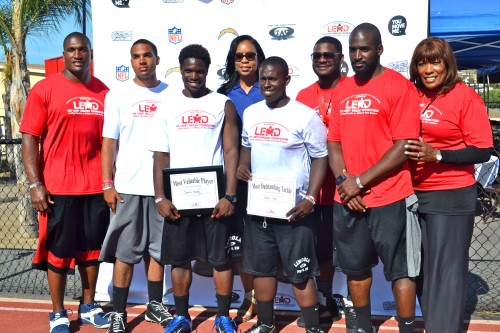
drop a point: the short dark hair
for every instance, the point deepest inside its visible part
(276, 61)
(231, 75)
(77, 35)
(431, 49)
(372, 29)
(330, 40)
(145, 41)
(195, 51)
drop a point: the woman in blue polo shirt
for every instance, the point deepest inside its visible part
(242, 86)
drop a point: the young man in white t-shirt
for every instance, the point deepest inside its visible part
(136, 227)
(282, 139)
(199, 129)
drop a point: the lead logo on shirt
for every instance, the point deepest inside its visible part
(197, 119)
(269, 132)
(85, 106)
(144, 109)
(360, 104)
(431, 115)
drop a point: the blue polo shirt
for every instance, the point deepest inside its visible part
(242, 100)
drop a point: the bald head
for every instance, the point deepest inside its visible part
(370, 29)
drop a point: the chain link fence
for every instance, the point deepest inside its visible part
(18, 233)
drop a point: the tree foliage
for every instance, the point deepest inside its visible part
(18, 20)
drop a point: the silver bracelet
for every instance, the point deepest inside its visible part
(33, 185)
(157, 200)
(358, 182)
(107, 187)
(310, 198)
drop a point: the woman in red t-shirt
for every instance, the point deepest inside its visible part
(455, 134)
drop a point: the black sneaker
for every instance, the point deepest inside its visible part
(315, 330)
(360, 330)
(351, 322)
(327, 314)
(261, 328)
(118, 322)
(158, 313)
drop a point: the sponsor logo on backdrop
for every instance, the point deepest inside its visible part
(227, 2)
(122, 73)
(284, 300)
(205, 1)
(389, 305)
(120, 36)
(397, 26)
(293, 71)
(172, 70)
(281, 32)
(173, 1)
(399, 66)
(227, 31)
(121, 3)
(175, 35)
(339, 300)
(344, 69)
(337, 28)
(221, 71)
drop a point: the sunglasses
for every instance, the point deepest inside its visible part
(249, 55)
(316, 56)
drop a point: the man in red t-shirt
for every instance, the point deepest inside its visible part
(61, 146)
(374, 113)
(326, 59)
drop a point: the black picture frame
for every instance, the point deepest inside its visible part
(219, 175)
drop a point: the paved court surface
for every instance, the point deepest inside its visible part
(25, 315)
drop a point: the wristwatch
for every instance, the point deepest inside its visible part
(231, 198)
(340, 179)
(439, 157)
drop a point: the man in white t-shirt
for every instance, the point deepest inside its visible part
(136, 227)
(199, 129)
(282, 139)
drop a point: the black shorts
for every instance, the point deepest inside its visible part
(237, 222)
(360, 238)
(266, 243)
(72, 233)
(195, 238)
(323, 216)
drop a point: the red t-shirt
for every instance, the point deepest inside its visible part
(68, 117)
(367, 117)
(453, 121)
(311, 97)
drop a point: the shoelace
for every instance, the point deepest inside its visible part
(118, 321)
(160, 308)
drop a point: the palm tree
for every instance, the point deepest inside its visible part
(18, 20)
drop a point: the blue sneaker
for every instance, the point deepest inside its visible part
(179, 324)
(59, 322)
(225, 324)
(92, 314)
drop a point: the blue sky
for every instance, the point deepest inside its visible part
(44, 47)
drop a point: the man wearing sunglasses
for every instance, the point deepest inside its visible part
(326, 59)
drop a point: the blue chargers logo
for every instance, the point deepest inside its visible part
(122, 73)
(175, 35)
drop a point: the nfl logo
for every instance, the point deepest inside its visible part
(227, 2)
(122, 73)
(174, 35)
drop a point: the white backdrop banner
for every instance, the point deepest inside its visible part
(284, 28)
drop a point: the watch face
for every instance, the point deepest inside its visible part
(340, 179)
(231, 198)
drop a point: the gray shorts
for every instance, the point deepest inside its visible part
(134, 231)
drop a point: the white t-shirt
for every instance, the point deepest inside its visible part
(191, 130)
(283, 141)
(130, 111)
